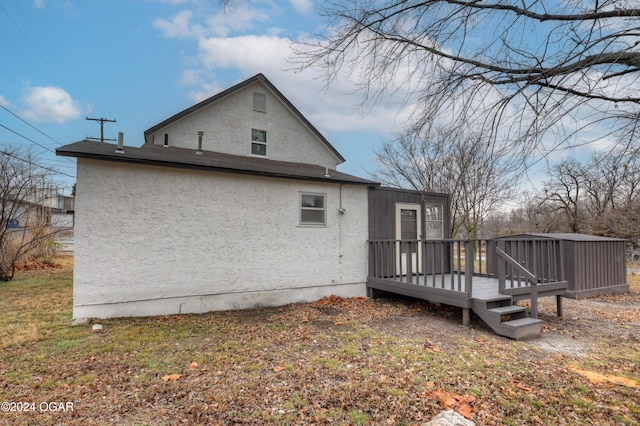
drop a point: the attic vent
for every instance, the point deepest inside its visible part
(259, 102)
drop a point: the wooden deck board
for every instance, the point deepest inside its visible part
(430, 287)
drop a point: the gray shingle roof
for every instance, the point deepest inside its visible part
(213, 161)
(563, 236)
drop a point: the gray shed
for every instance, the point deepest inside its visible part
(593, 265)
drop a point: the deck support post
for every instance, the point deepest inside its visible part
(466, 316)
(559, 305)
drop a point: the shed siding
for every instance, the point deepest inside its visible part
(596, 265)
(153, 240)
(593, 265)
(382, 210)
(382, 221)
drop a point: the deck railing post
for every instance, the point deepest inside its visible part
(561, 260)
(536, 248)
(468, 267)
(502, 265)
(372, 267)
(409, 262)
(534, 300)
(398, 259)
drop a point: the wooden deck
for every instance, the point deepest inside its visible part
(440, 272)
(430, 287)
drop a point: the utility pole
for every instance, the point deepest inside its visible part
(102, 121)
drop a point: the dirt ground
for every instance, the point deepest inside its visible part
(582, 329)
(356, 361)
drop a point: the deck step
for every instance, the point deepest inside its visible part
(522, 328)
(495, 301)
(507, 319)
(508, 310)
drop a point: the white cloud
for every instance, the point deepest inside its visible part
(50, 104)
(197, 78)
(4, 101)
(184, 25)
(249, 53)
(230, 40)
(302, 6)
(190, 77)
(237, 19)
(206, 91)
(330, 109)
(38, 4)
(179, 26)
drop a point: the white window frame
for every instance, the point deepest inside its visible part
(429, 221)
(304, 208)
(257, 142)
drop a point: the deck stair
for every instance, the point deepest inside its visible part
(507, 319)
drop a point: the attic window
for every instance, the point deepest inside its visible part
(259, 142)
(259, 102)
(313, 209)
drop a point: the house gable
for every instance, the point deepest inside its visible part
(250, 119)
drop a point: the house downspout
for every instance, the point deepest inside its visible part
(342, 211)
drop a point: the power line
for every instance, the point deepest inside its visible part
(31, 163)
(29, 139)
(29, 124)
(33, 127)
(25, 36)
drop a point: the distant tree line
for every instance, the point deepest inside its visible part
(599, 196)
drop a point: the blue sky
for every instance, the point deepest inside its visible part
(141, 61)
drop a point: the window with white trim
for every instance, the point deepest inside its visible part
(259, 142)
(313, 209)
(434, 229)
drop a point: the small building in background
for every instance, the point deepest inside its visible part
(593, 265)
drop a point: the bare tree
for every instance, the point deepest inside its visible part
(24, 208)
(478, 179)
(563, 193)
(612, 193)
(540, 74)
(600, 196)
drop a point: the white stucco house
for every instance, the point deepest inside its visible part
(233, 203)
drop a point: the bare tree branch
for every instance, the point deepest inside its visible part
(478, 179)
(24, 208)
(511, 70)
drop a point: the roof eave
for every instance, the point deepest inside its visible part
(116, 157)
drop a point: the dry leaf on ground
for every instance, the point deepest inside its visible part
(171, 377)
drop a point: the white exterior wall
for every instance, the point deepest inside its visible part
(227, 126)
(154, 240)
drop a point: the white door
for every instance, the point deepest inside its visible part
(408, 227)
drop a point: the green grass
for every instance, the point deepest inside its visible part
(270, 366)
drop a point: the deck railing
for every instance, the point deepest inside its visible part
(542, 258)
(436, 263)
(450, 264)
(529, 263)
